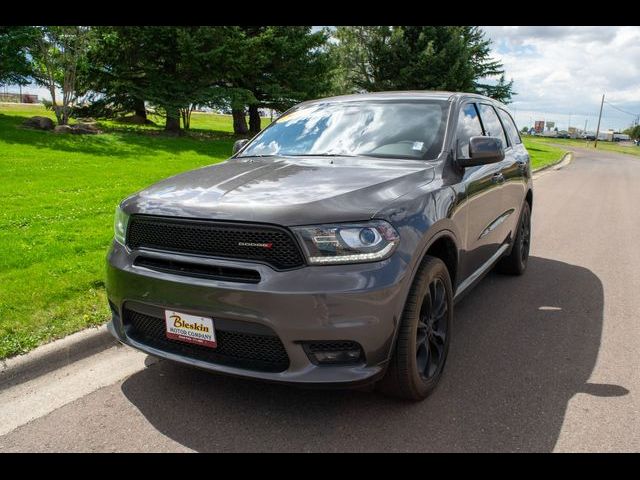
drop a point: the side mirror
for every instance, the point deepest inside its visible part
(483, 150)
(237, 146)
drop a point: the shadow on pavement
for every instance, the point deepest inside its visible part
(522, 348)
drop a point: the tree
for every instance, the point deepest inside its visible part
(181, 67)
(484, 67)
(58, 53)
(15, 65)
(455, 58)
(174, 68)
(279, 67)
(633, 132)
(115, 71)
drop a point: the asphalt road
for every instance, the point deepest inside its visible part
(544, 362)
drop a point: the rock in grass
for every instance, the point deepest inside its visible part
(63, 129)
(80, 128)
(85, 128)
(41, 123)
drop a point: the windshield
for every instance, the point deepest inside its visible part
(391, 129)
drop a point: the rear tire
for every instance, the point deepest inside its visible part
(424, 334)
(516, 262)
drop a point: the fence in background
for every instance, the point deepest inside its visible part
(16, 98)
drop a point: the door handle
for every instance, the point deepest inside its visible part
(497, 178)
(522, 165)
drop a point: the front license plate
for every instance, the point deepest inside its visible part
(190, 328)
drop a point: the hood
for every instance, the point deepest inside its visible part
(284, 190)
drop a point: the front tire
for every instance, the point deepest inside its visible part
(423, 339)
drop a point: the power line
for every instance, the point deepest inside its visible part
(621, 110)
(595, 145)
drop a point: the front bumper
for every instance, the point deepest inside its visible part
(360, 303)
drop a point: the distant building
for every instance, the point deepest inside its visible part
(15, 98)
(621, 137)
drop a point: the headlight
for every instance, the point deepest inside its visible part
(348, 243)
(120, 225)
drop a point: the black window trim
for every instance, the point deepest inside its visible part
(519, 142)
(506, 135)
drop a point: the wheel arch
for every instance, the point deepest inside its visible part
(444, 247)
(442, 242)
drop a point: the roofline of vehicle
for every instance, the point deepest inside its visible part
(401, 95)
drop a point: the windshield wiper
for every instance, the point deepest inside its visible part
(317, 155)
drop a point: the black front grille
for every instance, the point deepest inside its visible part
(332, 345)
(273, 245)
(238, 349)
(215, 272)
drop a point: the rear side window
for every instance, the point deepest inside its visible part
(492, 124)
(468, 126)
(510, 126)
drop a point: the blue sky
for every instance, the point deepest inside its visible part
(560, 73)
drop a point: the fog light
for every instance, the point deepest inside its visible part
(345, 356)
(338, 352)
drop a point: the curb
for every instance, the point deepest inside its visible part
(54, 355)
(555, 164)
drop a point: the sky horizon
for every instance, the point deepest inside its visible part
(559, 73)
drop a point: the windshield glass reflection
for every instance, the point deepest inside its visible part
(393, 129)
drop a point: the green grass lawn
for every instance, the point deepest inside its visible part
(629, 149)
(542, 154)
(59, 194)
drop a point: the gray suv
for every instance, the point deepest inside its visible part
(330, 249)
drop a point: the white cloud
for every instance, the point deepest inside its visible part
(562, 71)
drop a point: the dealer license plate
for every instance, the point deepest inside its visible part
(190, 328)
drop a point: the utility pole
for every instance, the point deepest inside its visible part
(595, 145)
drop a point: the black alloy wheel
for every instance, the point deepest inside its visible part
(432, 330)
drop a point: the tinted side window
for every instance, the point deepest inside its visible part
(491, 122)
(468, 126)
(509, 125)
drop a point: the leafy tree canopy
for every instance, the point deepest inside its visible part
(453, 58)
(15, 61)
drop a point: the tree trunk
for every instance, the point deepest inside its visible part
(173, 121)
(186, 117)
(239, 122)
(254, 119)
(54, 105)
(140, 109)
